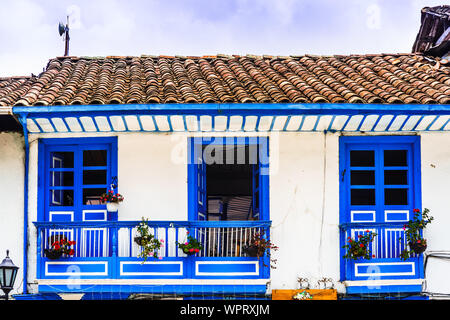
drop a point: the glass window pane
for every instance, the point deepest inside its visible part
(61, 159)
(361, 197)
(362, 158)
(61, 179)
(92, 196)
(362, 177)
(396, 196)
(396, 177)
(61, 198)
(94, 177)
(395, 158)
(93, 158)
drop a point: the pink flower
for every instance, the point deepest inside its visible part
(186, 243)
(160, 258)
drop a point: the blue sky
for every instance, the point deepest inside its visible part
(29, 29)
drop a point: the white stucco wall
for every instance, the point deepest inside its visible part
(436, 197)
(11, 200)
(304, 197)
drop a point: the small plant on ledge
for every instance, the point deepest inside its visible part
(60, 247)
(359, 248)
(258, 246)
(149, 244)
(413, 233)
(191, 246)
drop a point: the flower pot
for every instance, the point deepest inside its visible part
(53, 254)
(253, 251)
(418, 248)
(112, 206)
(139, 240)
(189, 253)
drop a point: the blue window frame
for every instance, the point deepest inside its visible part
(73, 173)
(197, 189)
(380, 185)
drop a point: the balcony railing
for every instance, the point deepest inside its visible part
(113, 241)
(385, 250)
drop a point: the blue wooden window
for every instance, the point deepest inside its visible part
(379, 188)
(197, 180)
(73, 173)
(379, 178)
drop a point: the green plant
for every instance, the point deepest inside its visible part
(414, 234)
(59, 247)
(149, 244)
(258, 245)
(191, 246)
(359, 248)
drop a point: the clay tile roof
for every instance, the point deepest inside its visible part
(376, 78)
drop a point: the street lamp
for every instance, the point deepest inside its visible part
(8, 272)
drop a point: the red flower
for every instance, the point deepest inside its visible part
(71, 252)
(57, 247)
(418, 241)
(361, 245)
(373, 256)
(416, 210)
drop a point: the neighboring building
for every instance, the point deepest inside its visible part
(307, 149)
(434, 33)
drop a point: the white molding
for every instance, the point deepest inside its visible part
(352, 212)
(386, 212)
(72, 263)
(179, 273)
(373, 274)
(153, 281)
(100, 210)
(360, 283)
(255, 273)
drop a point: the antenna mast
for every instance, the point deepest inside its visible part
(64, 30)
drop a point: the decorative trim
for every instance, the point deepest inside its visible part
(387, 212)
(212, 273)
(389, 273)
(73, 264)
(179, 273)
(353, 212)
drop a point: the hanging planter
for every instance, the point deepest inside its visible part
(53, 254)
(112, 200)
(413, 234)
(112, 206)
(60, 247)
(191, 246)
(147, 241)
(419, 246)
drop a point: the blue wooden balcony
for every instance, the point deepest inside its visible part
(386, 265)
(106, 250)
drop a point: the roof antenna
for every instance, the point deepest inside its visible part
(64, 30)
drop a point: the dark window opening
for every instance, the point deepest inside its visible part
(362, 158)
(362, 197)
(395, 158)
(229, 182)
(396, 196)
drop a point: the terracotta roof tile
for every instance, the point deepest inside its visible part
(376, 78)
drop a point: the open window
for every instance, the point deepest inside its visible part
(229, 176)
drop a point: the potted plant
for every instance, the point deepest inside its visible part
(149, 244)
(191, 246)
(258, 246)
(112, 200)
(60, 247)
(359, 248)
(414, 234)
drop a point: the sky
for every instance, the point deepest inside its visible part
(29, 29)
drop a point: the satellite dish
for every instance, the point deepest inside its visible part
(61, 28)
